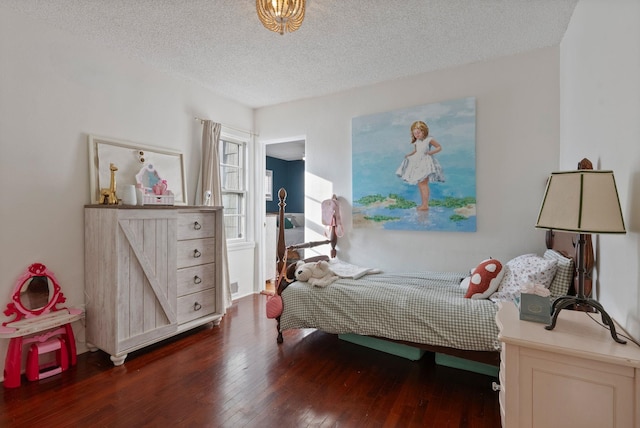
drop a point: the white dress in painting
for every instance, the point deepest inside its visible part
(420, 165)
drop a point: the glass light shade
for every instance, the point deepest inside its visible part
(281, 15)
(582, 201)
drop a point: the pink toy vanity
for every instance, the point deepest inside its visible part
(39, 326)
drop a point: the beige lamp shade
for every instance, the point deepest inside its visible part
(582, 201)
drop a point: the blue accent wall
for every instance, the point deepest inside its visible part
(290, 175)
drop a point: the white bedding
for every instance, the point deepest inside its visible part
(294, 236)
(347, 270)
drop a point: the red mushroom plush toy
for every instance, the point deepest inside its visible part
(484, 280)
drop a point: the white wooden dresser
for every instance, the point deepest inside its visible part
(575, 375)
(151, 272)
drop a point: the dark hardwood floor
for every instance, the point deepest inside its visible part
(236, 375)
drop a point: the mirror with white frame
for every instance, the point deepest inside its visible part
(129, 158)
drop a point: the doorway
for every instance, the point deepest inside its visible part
(285, 166)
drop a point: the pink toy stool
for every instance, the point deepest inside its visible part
(35, 371)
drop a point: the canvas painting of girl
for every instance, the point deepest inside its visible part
(420, 166)
(414, 169)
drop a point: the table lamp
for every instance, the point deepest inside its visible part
(582, 201)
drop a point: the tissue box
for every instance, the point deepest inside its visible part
(535, 308)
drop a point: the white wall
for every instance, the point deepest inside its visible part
(54, 90)
(600, 120)
(517, 138)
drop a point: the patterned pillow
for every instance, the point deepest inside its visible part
(525, 269)
(564, 275)
(484, 280)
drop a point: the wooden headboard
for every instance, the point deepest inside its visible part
(567, 245)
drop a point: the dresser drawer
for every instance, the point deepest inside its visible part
(196, 278)
(196, 252)
(196, 305)
(194, 225)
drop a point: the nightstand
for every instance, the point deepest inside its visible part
(572, 376)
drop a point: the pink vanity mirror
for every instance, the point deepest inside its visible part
(39, 322)
(36, 292)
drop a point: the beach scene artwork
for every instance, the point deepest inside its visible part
(383, 200)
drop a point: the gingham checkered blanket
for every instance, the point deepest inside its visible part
(425, 307)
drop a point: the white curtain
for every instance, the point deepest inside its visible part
(210, 192)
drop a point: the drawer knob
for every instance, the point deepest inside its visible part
(495, 386)
(197, 279)
(196, 254)
(197, 306)
(197, 226)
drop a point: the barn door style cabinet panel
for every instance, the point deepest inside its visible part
(150, 273)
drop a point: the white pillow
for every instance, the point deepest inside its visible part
(294, 221)
(525, 269)
(464, 284)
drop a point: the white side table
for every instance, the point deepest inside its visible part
(575, 375)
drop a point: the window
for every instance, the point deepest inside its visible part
(234, 187)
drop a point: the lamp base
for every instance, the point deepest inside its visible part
(583, 302)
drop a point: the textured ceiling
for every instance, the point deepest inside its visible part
(289, 151)
(342, 44)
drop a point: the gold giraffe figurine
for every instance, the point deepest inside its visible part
(108, 196)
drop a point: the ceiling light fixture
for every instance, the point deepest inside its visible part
(281, 15)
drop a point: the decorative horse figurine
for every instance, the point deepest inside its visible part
(108, 196)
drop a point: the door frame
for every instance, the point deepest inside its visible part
(260, 203)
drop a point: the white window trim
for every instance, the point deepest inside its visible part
(243, 242)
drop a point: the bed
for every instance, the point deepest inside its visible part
(426, 310)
